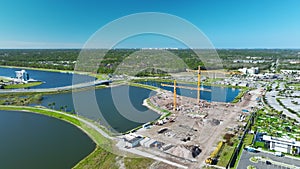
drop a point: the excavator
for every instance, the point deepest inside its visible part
(212, 159)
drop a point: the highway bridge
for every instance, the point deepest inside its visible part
(71, 87)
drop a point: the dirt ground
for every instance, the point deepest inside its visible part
(203, 124)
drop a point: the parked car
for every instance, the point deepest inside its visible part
(268, 163)
(278, 154)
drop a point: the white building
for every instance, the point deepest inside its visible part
(252, 70)
(243, 70)
(132, 141)
(21, 76)
(144, 141)
(290, 71)
(282, 144)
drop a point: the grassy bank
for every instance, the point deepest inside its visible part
(143, 86)
(226, 154)
(21, 86)
(47, 112)
(41, 69)
(4, 79)
(240, 95)
(99, 158)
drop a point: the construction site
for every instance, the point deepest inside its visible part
(194, 132)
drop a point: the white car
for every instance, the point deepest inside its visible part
(278, 154)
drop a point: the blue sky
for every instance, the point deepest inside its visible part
(227, 23)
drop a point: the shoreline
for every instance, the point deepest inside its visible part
(55, 70)
(90, 129)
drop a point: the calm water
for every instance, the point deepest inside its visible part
(35, 141)
(120, 111)
(51, 79)
(218, 94)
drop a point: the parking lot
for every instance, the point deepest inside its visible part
(245, 161)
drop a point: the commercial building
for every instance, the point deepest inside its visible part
(133, 142)
(285, 145)
(21, 76)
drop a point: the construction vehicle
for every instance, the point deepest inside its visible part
(212, 159)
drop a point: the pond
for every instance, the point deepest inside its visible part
(36, 141)
(218, 94)
(118, 108)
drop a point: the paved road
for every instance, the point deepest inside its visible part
(148, 155)
(271, 99)
(245, 161)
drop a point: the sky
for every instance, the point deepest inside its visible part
(226, 23)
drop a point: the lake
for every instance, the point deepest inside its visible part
(120, 111)
(36, 141)
(51, 79)
(218, 94)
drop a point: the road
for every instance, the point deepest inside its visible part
(245, 161)
(148, 155)
(76, 86)
(271, 99)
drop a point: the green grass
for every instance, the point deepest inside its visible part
(295, 85)
(26, 85)
(240, 95)
(143, 86)
(137, 163)
(248, 139)
(99, 158)
(225, 155)
(259, 144)
(43, 112)
(105, 160)
(41, 69)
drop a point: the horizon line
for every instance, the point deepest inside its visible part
(230, 48)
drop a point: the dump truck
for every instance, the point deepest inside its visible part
(212, 159)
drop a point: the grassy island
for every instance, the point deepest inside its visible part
(20, 86)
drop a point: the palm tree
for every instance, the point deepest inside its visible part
(49, 105)
(53, 105)
(294, 150)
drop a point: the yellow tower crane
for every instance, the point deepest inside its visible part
(175, 86)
